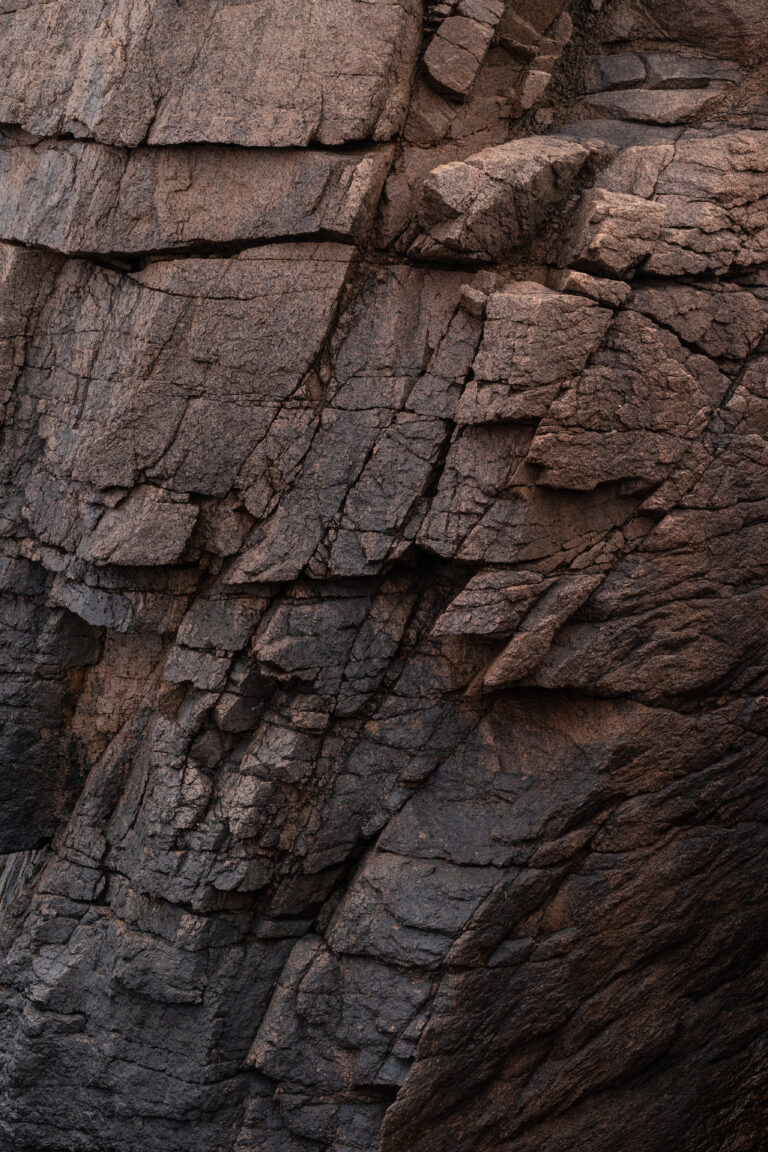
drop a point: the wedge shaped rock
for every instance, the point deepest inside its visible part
(487, 206)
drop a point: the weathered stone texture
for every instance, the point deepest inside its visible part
(252, 73)
(384, 649)
(91, 198)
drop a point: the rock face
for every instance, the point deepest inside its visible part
(384, 695)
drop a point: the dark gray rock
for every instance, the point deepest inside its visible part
(383, 653)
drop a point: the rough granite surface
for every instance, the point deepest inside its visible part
(383, 558)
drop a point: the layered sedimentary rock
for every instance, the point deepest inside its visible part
(383, 718)
(251, 73)
(81, 197)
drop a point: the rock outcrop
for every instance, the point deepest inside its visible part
(384, 695)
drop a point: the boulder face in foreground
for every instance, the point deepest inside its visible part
(384, 694)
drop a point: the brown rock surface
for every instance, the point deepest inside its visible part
(78, 197)
(251, 73)
(384, 659)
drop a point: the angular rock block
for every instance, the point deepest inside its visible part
(487, 206)
(454, 57)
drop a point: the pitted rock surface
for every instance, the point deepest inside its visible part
(384, 505)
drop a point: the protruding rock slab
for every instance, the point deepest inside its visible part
(485, 207)
(673, 205)
(662, 107)
(78, 197)
(612, 232)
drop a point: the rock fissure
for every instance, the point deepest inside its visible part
(383, 686)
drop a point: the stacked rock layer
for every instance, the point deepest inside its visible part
(384, 695)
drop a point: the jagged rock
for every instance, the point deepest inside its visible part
(149, 528)
(129, 409)
(722, 322)
(609, 426)
(485, 207)
(709, 185)
(712, 194)
(383, 667)
(493, 603)
(612, 232)
(537, 631)
(534, 340)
